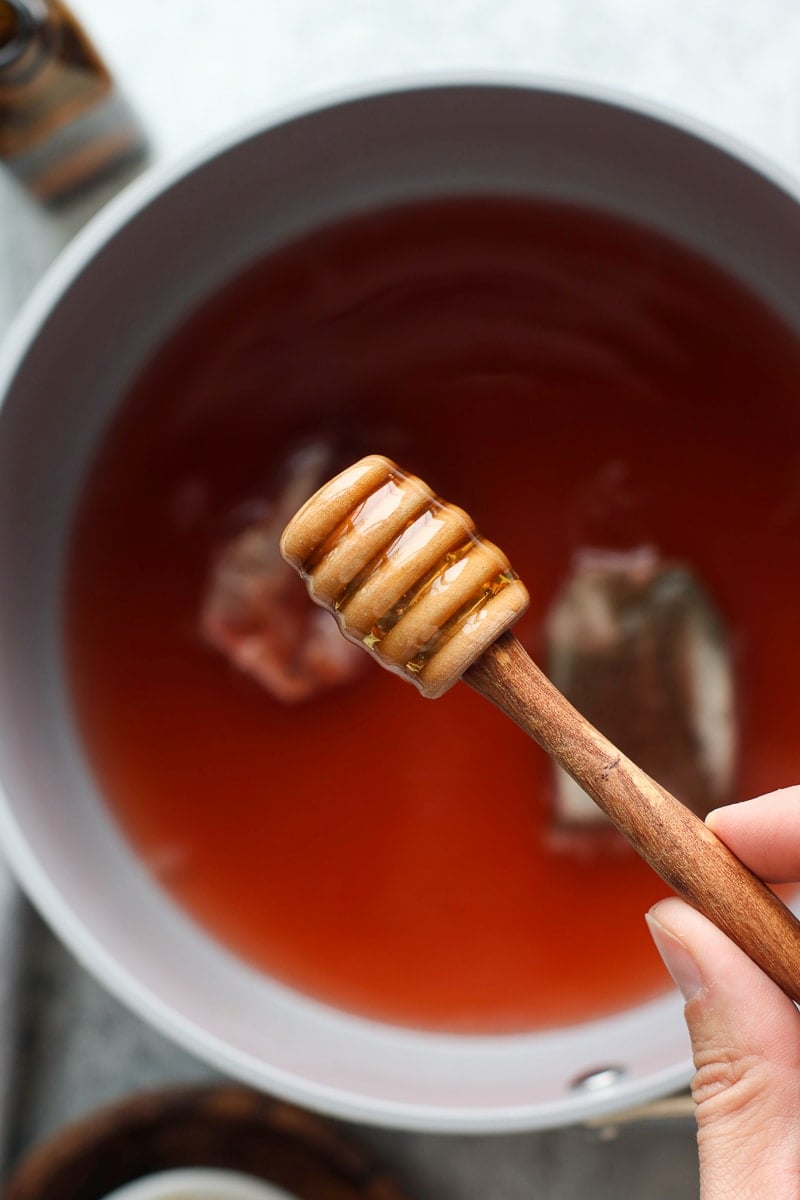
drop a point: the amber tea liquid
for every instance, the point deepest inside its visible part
(571, 380)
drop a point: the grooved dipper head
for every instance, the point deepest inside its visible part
(404, 572)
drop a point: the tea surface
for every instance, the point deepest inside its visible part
(571, 381)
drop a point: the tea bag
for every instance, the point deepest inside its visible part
(255, 610)
(636, 645)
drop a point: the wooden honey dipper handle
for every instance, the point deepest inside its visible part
(409, 579)
(676, 843)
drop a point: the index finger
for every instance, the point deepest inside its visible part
(764, 833)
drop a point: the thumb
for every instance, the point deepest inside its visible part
(746, 1045)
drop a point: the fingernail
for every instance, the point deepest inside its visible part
(677, 959)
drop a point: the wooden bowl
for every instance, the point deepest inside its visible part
(226, 1127)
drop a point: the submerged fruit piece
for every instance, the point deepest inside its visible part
(256, 613)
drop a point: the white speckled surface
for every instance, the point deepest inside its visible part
(729, 62)
(192, 68)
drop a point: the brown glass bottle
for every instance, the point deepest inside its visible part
(62, 121)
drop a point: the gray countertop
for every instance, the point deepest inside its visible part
(193, 68)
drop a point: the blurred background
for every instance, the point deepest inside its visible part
(191, 70)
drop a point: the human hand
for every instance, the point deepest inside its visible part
(745, 1032)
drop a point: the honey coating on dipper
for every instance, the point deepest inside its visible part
(405, 573)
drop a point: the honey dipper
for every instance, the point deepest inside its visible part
(410, 580)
